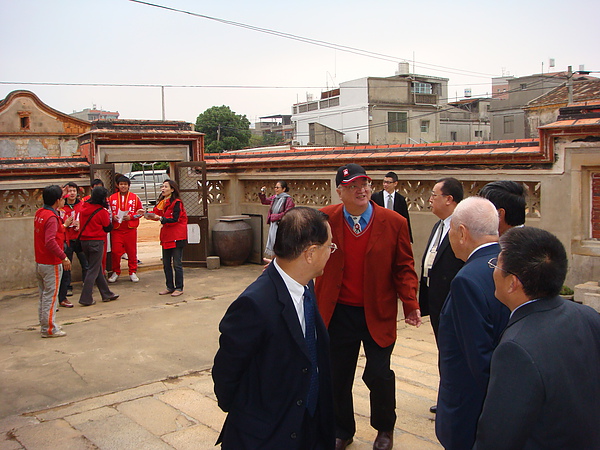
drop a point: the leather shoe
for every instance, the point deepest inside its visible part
(88, 304)
(384, 440)
(341, 444)
(66, 304)
(433, 409)
(165, 292)
(176, 293)
(111, 298)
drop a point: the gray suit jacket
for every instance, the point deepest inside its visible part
(544, 385)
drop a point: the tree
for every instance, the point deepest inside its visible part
(223, 129)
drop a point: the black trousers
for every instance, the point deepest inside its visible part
(347, 330)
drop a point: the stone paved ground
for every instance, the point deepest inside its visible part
(179, 410)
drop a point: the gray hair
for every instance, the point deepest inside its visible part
(478, 215)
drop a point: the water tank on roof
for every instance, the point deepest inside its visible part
(468, 92)
(403, 68)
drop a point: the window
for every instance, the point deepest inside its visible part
(453, 136)
(523, 86)
(24, 121)
(479, 133)
(397, 122)
(509, 124)
(422, 88)
(424, 126)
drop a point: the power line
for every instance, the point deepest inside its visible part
(318, 42)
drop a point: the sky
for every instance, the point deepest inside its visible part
(72, 44)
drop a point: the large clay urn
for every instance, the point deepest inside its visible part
(232, 239)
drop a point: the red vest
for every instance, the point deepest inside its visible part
(42, 219)
(171, 232)
(71, 211)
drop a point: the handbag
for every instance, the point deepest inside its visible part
(77, 248)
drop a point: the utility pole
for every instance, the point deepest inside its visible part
(162, 92)
(219, 133)
(569, 85)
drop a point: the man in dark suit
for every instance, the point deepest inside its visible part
(271, 372)
(545, 374)
(364, 309)
(471, 322)
(390, 199)
(439, 264)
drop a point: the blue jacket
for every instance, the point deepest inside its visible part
(261, 371)
(471, 323)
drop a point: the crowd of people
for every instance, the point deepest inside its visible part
(518, 364)
(90, 228)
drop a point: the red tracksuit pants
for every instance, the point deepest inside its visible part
(124, 241)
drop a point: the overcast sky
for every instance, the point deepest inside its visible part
(123, 42)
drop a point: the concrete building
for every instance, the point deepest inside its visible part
(400, 109)
(95, 114)
(511, 95)
(279, 124)
(467, 120)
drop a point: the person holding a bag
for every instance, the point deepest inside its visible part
(173, 235)
(95, 222)
(280, 203)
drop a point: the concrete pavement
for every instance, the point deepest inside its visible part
(135, 373)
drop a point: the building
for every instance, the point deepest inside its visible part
(400, 109)
(467, 120)
(545, 109)
(278, 124)
(95, 114)
(511, 95)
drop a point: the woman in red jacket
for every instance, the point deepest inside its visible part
(173, 235)
(94, 223)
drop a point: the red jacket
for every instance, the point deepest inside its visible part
(389, 272)
(131, 204)
(48, 237)
(173, 229)
(94, 230)
(71, 211)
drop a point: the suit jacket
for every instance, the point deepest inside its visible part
(545, 380)
(445, 266)
(471, 323)
(261, 370)
(400, 207)
(389, 272)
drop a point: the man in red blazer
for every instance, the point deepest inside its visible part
(358, 300)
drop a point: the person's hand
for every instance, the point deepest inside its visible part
(126, 217)
(263, 189)
(76, 226)
(68, 221)
(414, 318)
(140, 212)
(152, 216)
(66, 264)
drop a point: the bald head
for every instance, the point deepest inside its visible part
(474, 222)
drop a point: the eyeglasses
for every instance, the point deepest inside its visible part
(333, 247)
(355, 187)
(493, 264)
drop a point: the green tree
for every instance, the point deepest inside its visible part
(224, 129)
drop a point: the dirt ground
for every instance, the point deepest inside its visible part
(148, 231)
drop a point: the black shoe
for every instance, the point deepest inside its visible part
(70, 292)
(88, 304)
(384, 440)
(111, 298)
(433, 409)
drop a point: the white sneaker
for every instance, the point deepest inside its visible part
(133, 277)
(113, 277)
(57, 333)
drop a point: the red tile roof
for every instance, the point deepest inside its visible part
(520, 151)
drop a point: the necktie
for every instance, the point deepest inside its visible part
(357, 227)
(390, 203)
(438, 238)
(311, 343)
